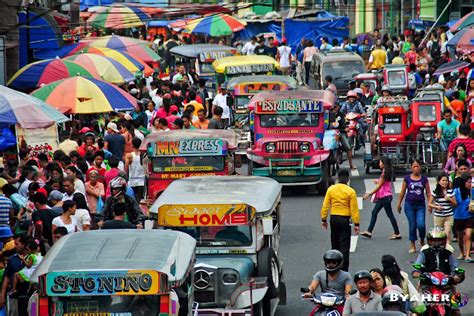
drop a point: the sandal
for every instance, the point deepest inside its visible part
(468, 259)
(412, 250)
(367, 234)
(395, 237)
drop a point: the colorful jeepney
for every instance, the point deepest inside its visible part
(288, 131)
(236, 66)
(179, 154)
(200, 58)
(116, 272)
(236, 222)
(244, 88)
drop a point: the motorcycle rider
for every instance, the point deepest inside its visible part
(437, 255)
(354, 106)
(118, 187)
(332, 279)
(338, 121)
(364, 300)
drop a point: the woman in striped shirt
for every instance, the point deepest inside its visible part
(442, 203)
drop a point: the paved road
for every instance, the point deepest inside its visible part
(303, 242)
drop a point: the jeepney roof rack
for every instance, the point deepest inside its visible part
(395, 101)
(124, 249)
(388, 66)
(336, 51)
(426, 98)
(261, 193)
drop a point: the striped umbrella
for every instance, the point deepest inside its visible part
(215, 25)
(30, 112)
(463, 40)
(463, 22)
(131, 63)
(103, 67)
(117, 17)
(41, 72)
(136, 47)
(79, 95)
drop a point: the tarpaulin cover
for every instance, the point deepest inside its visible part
(85, 4)
(7, 139)
(296, 29)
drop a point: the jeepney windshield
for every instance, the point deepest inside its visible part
(125, 305)
(393, 124)
(289, 120)
(427, 113)
(343, 69)
(242, 102)
(206, 68)
(397, 78)
(219, 236)
(188, 163)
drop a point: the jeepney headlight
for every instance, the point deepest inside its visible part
(304, 147)
(230, 278)
(270, 147)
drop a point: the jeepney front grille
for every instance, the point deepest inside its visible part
(288, 147)
(204, 296)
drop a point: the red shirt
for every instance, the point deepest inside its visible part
(109, 175)
(468, 142)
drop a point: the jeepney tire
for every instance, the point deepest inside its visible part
(322, 186)
(268, 266)
(263, 308)
(282, 295)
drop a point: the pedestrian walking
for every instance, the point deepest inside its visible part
(442, 202)
(382, 196)
(415, 186)
(308, 53)
(463, 218)
(341, 203)
(136, 171)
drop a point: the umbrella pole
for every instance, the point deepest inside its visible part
(436, 22)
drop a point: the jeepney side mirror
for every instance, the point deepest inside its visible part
(382, 126)
(267, 223)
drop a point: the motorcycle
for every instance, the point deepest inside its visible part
(439, 287)
(353, 125)
(327, 304)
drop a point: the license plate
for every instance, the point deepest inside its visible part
(286, 173)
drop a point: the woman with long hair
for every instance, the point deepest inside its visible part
(415, 187)
(460, 152)
(382, 195)
(442, 201)
(378, 283)
(463, 219)
(393, 274)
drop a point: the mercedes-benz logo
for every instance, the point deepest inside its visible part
(202, 279)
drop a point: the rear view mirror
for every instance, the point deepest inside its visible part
(267, 222)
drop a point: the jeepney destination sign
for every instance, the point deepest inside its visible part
(288, 106)
(190, 147)
(121, 282)
(211, 56)
(249, 69)
(205, 215)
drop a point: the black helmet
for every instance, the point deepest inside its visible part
(331, 257)
(362, 274)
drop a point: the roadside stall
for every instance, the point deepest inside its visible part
(116, 272)
(288, 128)
(236, 222)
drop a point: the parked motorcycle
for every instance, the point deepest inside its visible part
(326, 304)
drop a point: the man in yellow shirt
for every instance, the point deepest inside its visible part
(378, 57)
(341, 202)
(397, 60)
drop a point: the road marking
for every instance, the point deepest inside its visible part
(353, 243)
(369, 185)
(355, 173)
(360, 203)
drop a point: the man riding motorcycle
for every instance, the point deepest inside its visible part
(354, 106)
(118, 187)
(332, 279)
(337, 121)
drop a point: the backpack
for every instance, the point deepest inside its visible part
(411, 81)
(435, 50)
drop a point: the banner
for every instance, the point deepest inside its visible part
(38, 140)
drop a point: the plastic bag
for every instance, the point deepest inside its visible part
(416, 300)
(100, 206)
(329, 139)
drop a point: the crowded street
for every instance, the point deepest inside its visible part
(236, 158)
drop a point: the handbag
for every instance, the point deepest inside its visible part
(417, 305)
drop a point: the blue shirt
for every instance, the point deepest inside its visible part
(349, 107)
(448, 131)
(462, 208)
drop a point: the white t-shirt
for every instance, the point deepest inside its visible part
(23, 190)
(221, 100)
(249, 48)
(82, 218)
(285, 53)
(71, 228)
(79, 185)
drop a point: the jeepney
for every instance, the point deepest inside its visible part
(236, 222)
(179, 154)
(288, 128)
(396, 77)
(200, 58)
(243, 88)
(116, 272)
(236, 66)
(341, 65)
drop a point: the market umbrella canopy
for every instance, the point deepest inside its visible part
(117, 17)
(451, 66)
(41, 72)
(215, 25)
(30, 112)
(463, 40)
(136, 47)
(131, 63)
(464, 22)
(81, 95)
(103, 67)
